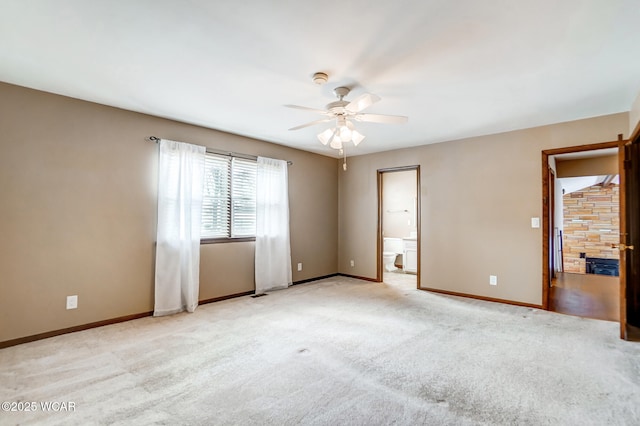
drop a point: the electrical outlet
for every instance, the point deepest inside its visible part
(493, 280)
(300, 266)
(72, 302)
(353, 263)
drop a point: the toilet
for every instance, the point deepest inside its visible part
(391, 249)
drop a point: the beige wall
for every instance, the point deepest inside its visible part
(399, 192)
(478, 196)
(595, 166)
(634, 116)
(78, 212)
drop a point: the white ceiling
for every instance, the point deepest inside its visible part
(456, 68)
(573, 184)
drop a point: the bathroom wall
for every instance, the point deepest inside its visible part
(399, 191)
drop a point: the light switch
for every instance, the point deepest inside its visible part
(535, 222)
(72, 302)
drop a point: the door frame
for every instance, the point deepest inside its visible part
(546, 206)
(380, 238)
(630, 164)
(552, 222)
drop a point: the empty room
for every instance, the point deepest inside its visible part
(358, 213)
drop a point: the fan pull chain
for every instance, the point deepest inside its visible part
(344, 164)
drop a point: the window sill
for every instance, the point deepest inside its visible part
(226, 240)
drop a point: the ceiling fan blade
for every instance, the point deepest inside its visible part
(319, 111)
(313, 123)
(362, 102)
(381, 118)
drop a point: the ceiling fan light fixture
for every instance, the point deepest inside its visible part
(356, 137)
(344, 113)
(345, 134)
(325, 136)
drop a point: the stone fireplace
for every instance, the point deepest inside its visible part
(591, 226)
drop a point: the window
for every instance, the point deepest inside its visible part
(229, 198)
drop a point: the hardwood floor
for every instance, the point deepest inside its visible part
(633, 333)
(586, 295)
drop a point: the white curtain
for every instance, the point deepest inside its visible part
(273, 250)
(180, 181)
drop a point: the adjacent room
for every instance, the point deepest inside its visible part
(586, 233)
(415, 212)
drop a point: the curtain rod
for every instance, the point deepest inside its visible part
(220, 152)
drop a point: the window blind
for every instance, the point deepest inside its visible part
(243, 197)
(229, 197)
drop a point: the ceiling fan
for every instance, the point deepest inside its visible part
(344, 113)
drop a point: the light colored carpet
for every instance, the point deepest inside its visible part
(336, 351)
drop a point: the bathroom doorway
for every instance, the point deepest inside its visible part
(399, 226)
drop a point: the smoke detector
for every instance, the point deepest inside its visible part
(320, 78)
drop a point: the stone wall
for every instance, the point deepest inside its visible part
(591, 225)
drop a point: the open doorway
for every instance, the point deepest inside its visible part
(399, 226)
(583, 230)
